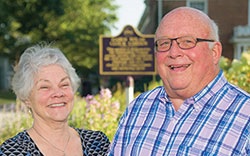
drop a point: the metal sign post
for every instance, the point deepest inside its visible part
(129, 89)
(129, 53)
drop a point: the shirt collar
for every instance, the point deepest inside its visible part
(216, 84)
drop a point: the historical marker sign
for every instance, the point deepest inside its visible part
(129, 53)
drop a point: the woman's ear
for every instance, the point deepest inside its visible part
(217, 51)
(27, 103)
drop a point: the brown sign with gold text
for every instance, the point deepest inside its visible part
(127, 54)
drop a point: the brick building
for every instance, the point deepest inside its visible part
(230, 15)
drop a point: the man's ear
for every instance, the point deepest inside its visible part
(217, 51)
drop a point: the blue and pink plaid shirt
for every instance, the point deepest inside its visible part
(215, 121)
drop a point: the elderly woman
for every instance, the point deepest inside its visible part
(45, 82)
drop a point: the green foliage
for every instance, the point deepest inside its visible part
(7, 97)
(99, 112)
(154, 84)
(74, 26)
(13, 123)
(238, 71)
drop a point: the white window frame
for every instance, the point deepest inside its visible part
(239, 48)
(188, 3)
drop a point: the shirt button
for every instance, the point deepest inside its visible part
(173, 121)
(196, 108)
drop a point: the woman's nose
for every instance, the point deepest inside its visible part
(58, 93)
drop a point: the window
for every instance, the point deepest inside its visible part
(239, 48)
(198, 4)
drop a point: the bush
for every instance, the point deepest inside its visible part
(238, 71)
(13, 122)
(99, 112)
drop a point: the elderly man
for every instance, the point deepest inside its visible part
(196, 111)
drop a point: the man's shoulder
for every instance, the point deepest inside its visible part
(146, 98)
(238, 91)
(152, 93)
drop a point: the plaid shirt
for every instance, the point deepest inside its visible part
(215, 121)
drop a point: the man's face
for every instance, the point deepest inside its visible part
(186, 72)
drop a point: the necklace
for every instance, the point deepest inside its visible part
(63, 151)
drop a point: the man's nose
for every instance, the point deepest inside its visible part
(175, 51)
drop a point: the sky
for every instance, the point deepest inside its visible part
(129, 13)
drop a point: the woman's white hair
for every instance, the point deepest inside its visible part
(31, 61)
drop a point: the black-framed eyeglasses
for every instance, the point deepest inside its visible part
(185, 42)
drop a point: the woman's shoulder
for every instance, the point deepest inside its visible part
(20, 144)
(94, 142)
(17, 140)
(93, 135)
(91, 132)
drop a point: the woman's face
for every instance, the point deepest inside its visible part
(51, 98)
